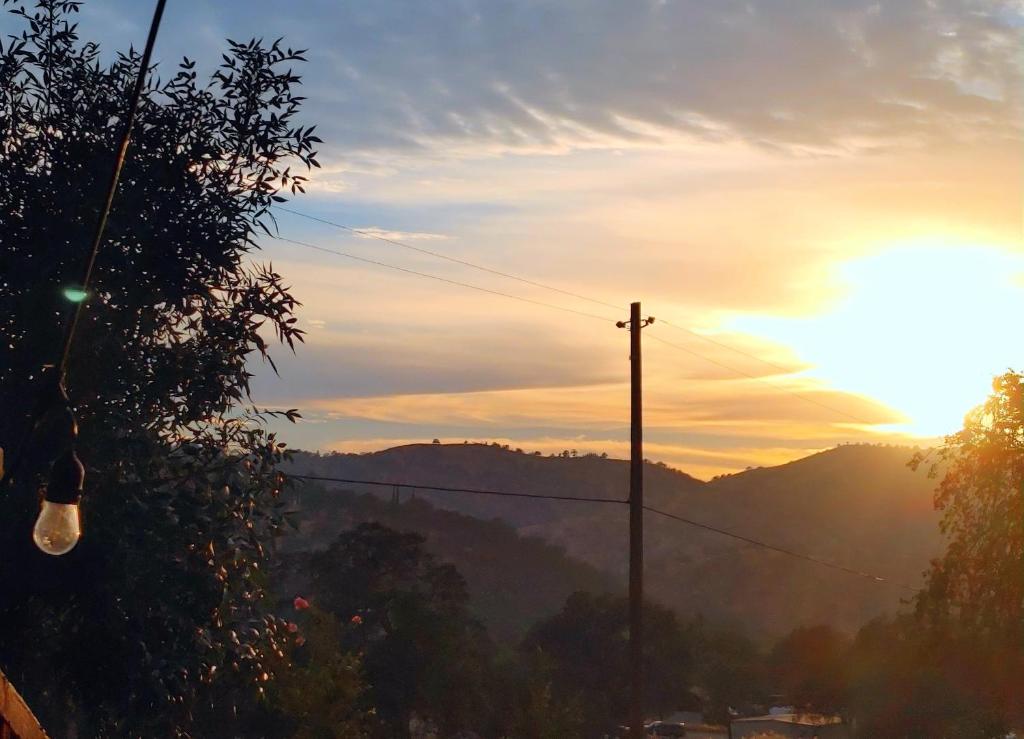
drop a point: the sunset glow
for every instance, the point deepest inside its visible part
(832, 191)
(920, 326)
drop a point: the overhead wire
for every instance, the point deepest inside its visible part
(780, 550)
(467, 285)
(723, 345)
(464, 262)
(471, 491)
(579, 296)
(579, 499)
(776, 386)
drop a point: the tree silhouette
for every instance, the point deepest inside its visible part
(163, 594)
(975, 592)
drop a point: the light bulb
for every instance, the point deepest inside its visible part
(59, 525)
(58, 528)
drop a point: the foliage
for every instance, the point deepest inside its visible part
(979, 581)
(972, 608)
(499, 564)
(905, 682)
(808, 667)
(320, 694)
(587, 644)
(537, 712)
(729, 668)
(163, 594)
(421, 650)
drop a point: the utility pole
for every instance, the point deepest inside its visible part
(636, 523)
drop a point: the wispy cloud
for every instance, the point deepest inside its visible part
(373, 232)
(492, 77)
(718, 160)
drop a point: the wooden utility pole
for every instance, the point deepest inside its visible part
(636, 524)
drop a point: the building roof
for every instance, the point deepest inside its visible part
(802, 719)
(15, 715)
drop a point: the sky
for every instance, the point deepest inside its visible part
(819, 202)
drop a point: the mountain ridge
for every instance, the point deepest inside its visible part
(854, 505)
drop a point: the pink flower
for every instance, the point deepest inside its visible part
(357, 619)
(300, 640)
(292, 628)
(300, 603)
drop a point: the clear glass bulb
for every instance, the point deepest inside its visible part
(58, 528)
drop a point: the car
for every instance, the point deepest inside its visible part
(665, 728)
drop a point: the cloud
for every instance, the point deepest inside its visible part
(472, 77)
(372, 232)
(715, 159)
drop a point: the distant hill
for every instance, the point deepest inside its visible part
(855, 505)
(513, 579)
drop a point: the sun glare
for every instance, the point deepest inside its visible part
(923, 328)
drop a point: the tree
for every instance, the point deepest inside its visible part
(808, 665)
(974, 595)
(729, 668)
(163, 595)
(319, 696)
(980, 578)
(587, 644)
(535, 711)
(422, 651)
(904, 682)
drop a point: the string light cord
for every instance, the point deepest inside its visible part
(115, 176)
(54, 375)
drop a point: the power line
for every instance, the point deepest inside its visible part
(438, 278)
(780, 550)
(723, 345)
(566, 309)
(455, 260)
(780, 388)
(650, 509)
(579, 296)
(472, 491)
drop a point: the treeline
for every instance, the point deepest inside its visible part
(899, 677)
(384, 641)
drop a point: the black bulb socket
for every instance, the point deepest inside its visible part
(67, 478)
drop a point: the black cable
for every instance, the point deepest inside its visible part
(722, 344)
(780, 388)
(115, 176)
(56, 383)
(780, 550)
(443, 489)
(681, 519)
(439, 255)
(467, 285)
(579, 296)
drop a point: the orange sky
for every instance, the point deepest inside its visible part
(834, 187)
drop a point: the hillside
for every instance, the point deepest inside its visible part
(855, 505)
(513, 580)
